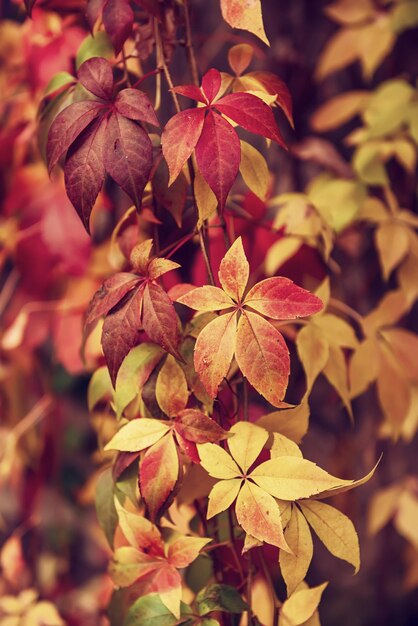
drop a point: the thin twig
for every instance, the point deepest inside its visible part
(189, 44)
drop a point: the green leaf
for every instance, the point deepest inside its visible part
(100, 386)
(219, 598)
(151, 611)
(105, 505)
(98, 45)
(58, 81)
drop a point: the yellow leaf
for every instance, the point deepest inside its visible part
(223, 495)
(254, 170)
(337, 375)
(351, 485)
(171, 599)
(350, 11)
(292, 478)
(364, 367)
(374, 42)
(246, 16)
(404, 16)
(408, 278)
(171, 387)
(392, 243)
(100, 386)
(298, 536)
(280, 252)
(42, 614)
(313, 351)
(387, 108)
(323, 291)
(390, 309)
(393, 391)
(335, 530)
(373, 210)
(336, 330)
(301, 606)
(337, 200)
(368, 163)
(138, 434)
(282, 446)
(404, 346)
(339, 110)
(128, 564)
(339, 51)
(205, 198)
(217, 462)
(247, 443)
(406, 518)
(292, 423)
(405, 152)
(383, 507)
(410, 424)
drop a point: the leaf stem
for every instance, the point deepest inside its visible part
(189, 45)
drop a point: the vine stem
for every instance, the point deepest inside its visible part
(162, 62)
(189, 45)
(347, 310)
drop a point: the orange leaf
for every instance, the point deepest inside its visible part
(259, 515)
(214, 350)
(263, 357)
(234, 271)
(206, 298)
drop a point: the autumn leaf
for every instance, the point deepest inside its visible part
(260, 349)
(301, 605)
(214, 139)
(248, 17)
(295, 565)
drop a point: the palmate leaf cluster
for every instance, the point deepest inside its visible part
(206, 361)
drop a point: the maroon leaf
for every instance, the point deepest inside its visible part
(195, 426)
(251, 113)
(211, 84)
(160, 320)
(108, 296)
(118, 19)
(67, 126)
(191, 91)
(96, 76)
(218, 155)
(136, 105)
(179, 139)
(275, 86)
(84, 171)
(128, 156)
(93, 10)
(121, 330)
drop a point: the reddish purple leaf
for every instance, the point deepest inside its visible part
(93, 10)
(218, 155)
(109, 294)
(96, 76)
(211, 84)
(121, 330)
(84, 170)
(118, 19)
(179, 139)
(128, 156)
(160, 320)
(136, 105)
(67, 126)
(197, 427)
(191, 91)
(251, 113)
(275, 86)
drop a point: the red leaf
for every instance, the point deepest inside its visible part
(67, 126)
(84, 171)
(195, 426)
(280, 299)
(211, 84)
(96, 76)
(160, 320)
(251, 113)
(179, 139)
(275, 86)
(109, 294)
(158, 474)
(118, 19)
(120, 332)
(262, 356)
(218, 155)
(128, 156)
(214, 350)
(191, 91)
(136, 105)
